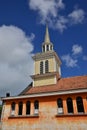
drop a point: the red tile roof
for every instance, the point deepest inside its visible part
(63, 84)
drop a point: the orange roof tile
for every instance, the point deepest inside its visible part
(63, 84)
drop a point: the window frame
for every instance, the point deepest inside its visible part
(20, 106)
(80, 105)
(46, 66)
(41, 67)
(47, 47)
(60, 105)
(36, 107)
(28, 107)
(13, 106)
(70, 108)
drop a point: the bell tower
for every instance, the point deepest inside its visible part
(47, 45)
(46, 64)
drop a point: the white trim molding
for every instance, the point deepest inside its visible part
(64, 92)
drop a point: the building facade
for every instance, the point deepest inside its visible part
(50, 102)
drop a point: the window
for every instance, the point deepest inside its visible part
(13, 106)
(28, 107)
(43, 48)
(69, 105)
(36, 107)
(60, 106)
(80, 106)
(20, 108)
(47, 47)
(46, 66)
(41, 67)
(13, 109)
(51, 47)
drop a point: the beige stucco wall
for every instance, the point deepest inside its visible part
(45, 81)
(51, 65)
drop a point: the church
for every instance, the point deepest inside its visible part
(50, 102)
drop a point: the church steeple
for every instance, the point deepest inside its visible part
(47, 64)
(47, 37)
(47, 45)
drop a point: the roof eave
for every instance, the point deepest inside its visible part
(46, 94)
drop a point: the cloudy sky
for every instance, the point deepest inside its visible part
(22, 28)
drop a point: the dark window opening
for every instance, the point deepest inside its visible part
(59, 103)
(28, 107)
(60, 106)
(70, 105)
(41, 67)
(80, 106)
(36, 104)
(51, 47)
(47, 47)
(36, 107)
(46, 66)
(13, 106)
(20, 108)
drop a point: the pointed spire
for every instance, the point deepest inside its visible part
(47, 37)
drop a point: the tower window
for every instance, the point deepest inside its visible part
(20, 108)
(47, 47)
(46, 66)
(28, 107)
(36, 107)
(69, 105)
(80, 106)
(41, 67)
(43, 48)
(51, 47)
(60, 106)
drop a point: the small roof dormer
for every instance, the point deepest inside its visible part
(47, 45)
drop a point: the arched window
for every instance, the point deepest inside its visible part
(36, 107)
(20, 108)
(51, 47)
(80, 106)
(69, 105)
(47, 47)
(13, 109)
(43, 48)
(27, 107)
(46, 66)
(41, 67)
(60, 105)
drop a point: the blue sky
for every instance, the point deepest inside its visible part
(22, 29)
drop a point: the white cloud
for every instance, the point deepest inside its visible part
(16, 63)
(69, 61)
(61, 23)
(46, 7)
(76, 49)
(49, 11)
(77, 16)
(72, 59)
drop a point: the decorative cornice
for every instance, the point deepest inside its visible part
(46, 55)
(45, 75)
